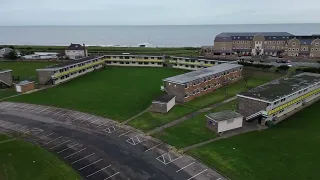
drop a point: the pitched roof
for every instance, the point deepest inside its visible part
(76, 47)
(194, 75)
(224, 115)
(229, 36)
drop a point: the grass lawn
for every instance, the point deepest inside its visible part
(25, 70)
(21, 160)
(6, 93)
(191, 131)
(287, 151)
(149, 120)
(114, 92)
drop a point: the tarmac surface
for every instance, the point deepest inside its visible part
(99, 148)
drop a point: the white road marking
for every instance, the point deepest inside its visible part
(60, 144)
(94, 121)
(112, 175)
(43, 137)
(59, 111)
(75, 153)
(153, 147)
(198, 174)
(67, 148)
(185, 166)
(6, 106)
(42, 110)
(22, 107)
(53, 140)
(125, 133)
(86, 119)
(50, 111)
(11, 126)
(102, 124)
(4, 124)
(82, 158)
(79, 117)
(33, 110)
(90, 164)
(98, 171)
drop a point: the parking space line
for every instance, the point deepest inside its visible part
(101, 124)
(125, 133)
(42, 110)
(60, 144)
(53, 140)
(82, 158)
(185, 166)
(112, 175)
(22, 107)
(59, 111)
(67, 148)
(4, 124)
(79, 117)
(11, 126)
(6, 106)
(94, 121)
(43, 137)
(33, 110)
(90, 164)
(75, 153)
(153, 147)
(50, 111)
(98, 171)
(86, 119)
(198, 174)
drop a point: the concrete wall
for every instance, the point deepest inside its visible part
(6, 77)
(230, 124)
(213, 126)
(171, 103)
(248, 107)
(25, 88)
(44, 76)
(158, 107)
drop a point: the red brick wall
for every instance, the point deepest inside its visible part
(27, 87)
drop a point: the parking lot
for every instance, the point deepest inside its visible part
(91, 154)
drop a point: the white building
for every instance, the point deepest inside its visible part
(273, 100)
(76, 51)
(163, 104)
(224, 121)
(42, 55)
(194, 63)
(5, 51)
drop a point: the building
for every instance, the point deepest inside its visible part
(275, 99)
(193, 63)
(224, 121)
(76, 51)
(135, 60)
(6, 79)
(63, 72)
(24, 86)
(193, 84)
(206, 51)
(5, 51)
(264, 43)
(41, 55)
(163, 104)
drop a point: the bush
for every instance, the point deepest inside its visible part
(312, 70)
(283, 67)
(263, 66)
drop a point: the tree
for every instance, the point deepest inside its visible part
(11, 55)
(246, 76)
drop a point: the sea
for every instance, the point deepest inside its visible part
(154, 36)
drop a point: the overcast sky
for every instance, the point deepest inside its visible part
(157, 12)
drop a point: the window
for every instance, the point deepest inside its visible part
(186, 95)
(317, 44)
(159, 63)
(186, 86)
(126, 57)
(146, 58)
(159, 58)
(238, 42)
(293, 44)
(312, 49)
(127, 62)
(121, 57)
(289, 49)
(145, 63)
(223, 48)
(229, 121)
(152, 57)
(242, 42)
(278, 42)
(316, 49)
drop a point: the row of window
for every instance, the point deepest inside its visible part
(197, 91)
(205, 79)
(258, 42)
(75, 65)
(132, 57)
(201, 61)
(146, 63)
(284, 99)
(73, 73)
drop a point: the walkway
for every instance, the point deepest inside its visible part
(133, 117)
(191, 115)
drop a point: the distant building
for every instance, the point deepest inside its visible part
(24, 86)
(271, 101)
(264, 43)
(5, 51)
(194, 63)
(6, 78)
(41, 55)
(127, 59)
(224, 121)
(76, 51)
(163, 104)
(193, 84)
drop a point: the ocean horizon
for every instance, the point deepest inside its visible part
(133, 35)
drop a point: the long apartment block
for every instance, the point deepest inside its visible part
(191, 85)
(63, 72)
(279, 97)
(264, 43)
(135, 60)
(193, 63)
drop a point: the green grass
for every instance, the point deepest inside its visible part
(115, 92)
(149, 120)
(191, 131)
(287, 151)
(21, 160)
(25, 70)
(6, 93)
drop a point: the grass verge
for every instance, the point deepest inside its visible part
(21, 160)
(287, 151)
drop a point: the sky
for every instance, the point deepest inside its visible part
(157, 12)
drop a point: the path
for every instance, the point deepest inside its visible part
(247, 127)
(133, 117)
(191, 115)
(8, 140)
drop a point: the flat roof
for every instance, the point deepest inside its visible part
(194, 75)
(134, 55)
(21, 83)
(71, 62)
(164, 98)
(202, 58)
(282, 87)
(224, 115)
